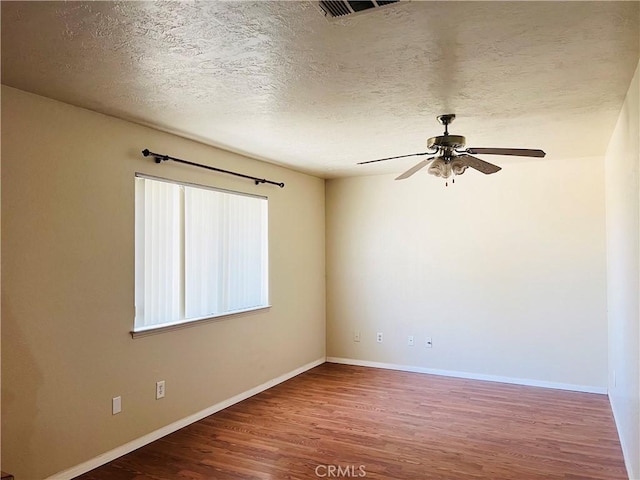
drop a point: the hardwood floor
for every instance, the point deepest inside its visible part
(339, 421)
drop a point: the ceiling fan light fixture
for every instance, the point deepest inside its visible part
(445, 169)
(440, 168)
(458, 167)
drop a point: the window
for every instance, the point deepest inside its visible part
(200, 253)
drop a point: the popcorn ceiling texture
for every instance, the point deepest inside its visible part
(278, 81)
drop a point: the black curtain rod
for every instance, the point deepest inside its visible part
(163, 158)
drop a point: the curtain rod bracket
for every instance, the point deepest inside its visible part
(159, 158)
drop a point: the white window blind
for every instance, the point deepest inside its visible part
(200, 253)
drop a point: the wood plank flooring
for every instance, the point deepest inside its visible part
(339, 421)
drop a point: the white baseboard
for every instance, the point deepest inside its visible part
(157, 434)
(626, 451)
(472, 376)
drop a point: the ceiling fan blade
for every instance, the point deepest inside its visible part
(399, 156)
(519, 152)
(414, 169)
(480, 165)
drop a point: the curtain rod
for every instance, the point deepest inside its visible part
(163, 158)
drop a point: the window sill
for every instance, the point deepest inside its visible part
(153, 330)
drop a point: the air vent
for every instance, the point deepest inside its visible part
(340, 8)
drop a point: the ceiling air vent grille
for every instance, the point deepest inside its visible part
(340, 8)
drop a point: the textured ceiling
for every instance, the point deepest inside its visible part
(279, 82)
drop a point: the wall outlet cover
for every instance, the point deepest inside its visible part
(159, 389)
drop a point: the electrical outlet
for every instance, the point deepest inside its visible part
(356, 336)
(428, 343)
(379, 337)
(116, 405)
(411, 341)
(159, 389)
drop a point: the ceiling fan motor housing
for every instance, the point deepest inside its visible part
(447, 141)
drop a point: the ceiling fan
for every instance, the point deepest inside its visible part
(450, 158)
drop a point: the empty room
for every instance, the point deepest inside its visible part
(320, 239)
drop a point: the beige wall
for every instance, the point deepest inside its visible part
(68, 288)
(623, 274)
(506, 272)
